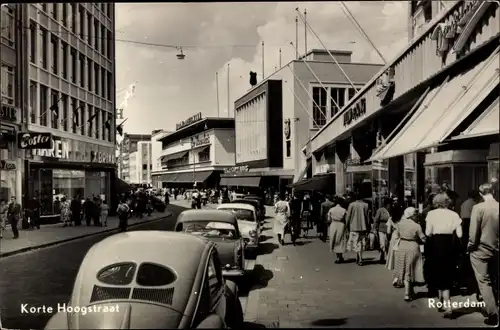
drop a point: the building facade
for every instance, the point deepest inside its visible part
(70, 97)
(156, 149)
(276, 118)
(197, 153)
(11, 57)
(135, 158)
(427, 111)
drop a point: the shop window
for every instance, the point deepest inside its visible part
(7, 89)
(288, 148)
(43, 105)
(68, 183)
(32, 101)
(44, 51)
(8, 26)
(319, 106)
(33, 41)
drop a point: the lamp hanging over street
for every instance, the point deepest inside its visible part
(180, 55)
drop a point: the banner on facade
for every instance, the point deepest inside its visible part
(34, 140)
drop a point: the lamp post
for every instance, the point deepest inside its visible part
(193, 144)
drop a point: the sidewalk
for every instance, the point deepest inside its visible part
(305, 288)
(49, 235)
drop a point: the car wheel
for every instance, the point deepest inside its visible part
(234, 311)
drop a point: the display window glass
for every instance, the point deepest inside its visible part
(493, 170)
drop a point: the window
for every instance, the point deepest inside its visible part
(110, 9)
(90, 120)
(82, 70)
(203, 307)
(64, 18)
(288, 148)
(43, 105)
(103, 122)
(117, 274)
(154, 275)
(54, 11)
(89, 29)
(54, 42)
(103, 82)
(338, 95)
(44, 7)
(65, 116)
(104, 51)
(33, 41)
(8, 27)
(110, 44)
(32, 102)
(74, 22)
(98, 128)
(74, 67)
(110, 85)
(54, 100)
(82, 118)
(7, 78)
(144, 167)
(81, 23)
(214, 277)
(204, 155)
(319, 114)
(89, 74)
(96, 34)
(110, 136)
(64, 51)
(75, 115)
(43, 44)
(96, 78)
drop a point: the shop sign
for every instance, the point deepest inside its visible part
(8, 112)
(189, 121)
(7, 166)
(355, 112)
(235, 169)
(35, 140)
(102, 157)
(201, 140)
(59, 149)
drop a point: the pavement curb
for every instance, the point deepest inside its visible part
(74, 238)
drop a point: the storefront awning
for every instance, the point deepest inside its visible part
(187, 177)
(177, 155)
(168, 178)
(443, 109)
(486, 124)
(303, 174)
(241, 181)
(316, 183)
(202, 176)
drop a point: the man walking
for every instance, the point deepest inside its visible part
(13, 215)
(483, 249)
(357, 224)
(76, 210)
(323, 217)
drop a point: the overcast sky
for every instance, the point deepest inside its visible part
(214, 34)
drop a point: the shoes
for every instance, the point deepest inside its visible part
(491, 320)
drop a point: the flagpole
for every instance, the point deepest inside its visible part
(217, 92)
(307, 91)
(228, 86)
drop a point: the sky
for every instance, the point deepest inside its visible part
(156, 90)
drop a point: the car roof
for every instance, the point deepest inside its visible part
(243, 201)
(203, 215)
(236, 206)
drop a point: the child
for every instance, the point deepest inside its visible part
(104, 214)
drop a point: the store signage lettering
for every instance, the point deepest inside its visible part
(35, 140)
(8, 112)
(234, 169)
(7, 166)
(189, 121)
(102, 157)
(201, 140)
(355, 112)
(59, 149)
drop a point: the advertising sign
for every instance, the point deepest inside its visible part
(34, 140)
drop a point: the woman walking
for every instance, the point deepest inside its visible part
(3, 216)
(382, 216)
(358, 225)
(282, 211)
(337, 232)
(104, 214)
(123, 213)
(407, 258)
(65, 212)
(442, 224)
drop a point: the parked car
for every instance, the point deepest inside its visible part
(262, 206)
(158, 204)
(253, 202)
(151, 287)
(248, 223)
(221, 228)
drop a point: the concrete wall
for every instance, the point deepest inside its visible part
(223, 148)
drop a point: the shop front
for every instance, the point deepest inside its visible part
(11, 166)
(59, 167)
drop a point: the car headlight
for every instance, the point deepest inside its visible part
(252, 233)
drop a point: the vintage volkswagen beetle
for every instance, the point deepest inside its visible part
(221, 228)
(151, 280)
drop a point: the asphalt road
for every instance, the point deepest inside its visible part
(45, 277)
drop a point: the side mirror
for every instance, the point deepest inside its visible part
(212, 321)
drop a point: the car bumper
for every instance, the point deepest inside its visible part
(233, 272)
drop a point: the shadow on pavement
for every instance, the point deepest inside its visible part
(267, 248)
(264, 238)
(266, 228)
(459, 312)
(260, 277)
(300, 243)
(253, 325)
(329, 322)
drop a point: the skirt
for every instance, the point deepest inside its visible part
(408, 262)
(337, 236)
(393, 246)
(280, 224)
(357, 241)
(440, 252)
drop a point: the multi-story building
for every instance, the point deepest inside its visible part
(70, 86)
(197, 153)
(11, 164)
(276, 118)
(135, 158)
(156, 150)
(432, 112)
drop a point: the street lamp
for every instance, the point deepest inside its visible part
(180, 55)
(193, 144)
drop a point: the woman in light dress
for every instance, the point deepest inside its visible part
(380, 226)
(408, 261)
(65, 212)
(337, 231)
(3, 216)
(104, 214)
(282, 212)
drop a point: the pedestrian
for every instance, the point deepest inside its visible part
(3, 216)
(442, 226)
(322, 222)
(357, 224)
(104, 213)
(76, 210)
(87, 211)
(483, 249)
(65, 212)
(282, 211)
(96, 211)
(34, 213)
(305, 212)
(123, 213)
(407, 258)
(57, 206)
(13, 215)
(294, 225)
(337, 232)
(380, 220)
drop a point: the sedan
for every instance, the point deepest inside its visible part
(254, 203)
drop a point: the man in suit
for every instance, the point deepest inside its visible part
(13, 215)
(323, 220)
(483, 249)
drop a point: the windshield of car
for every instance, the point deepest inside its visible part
(241, 214)
(210, 229)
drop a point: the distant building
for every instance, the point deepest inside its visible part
(156, 150)
(135, 158)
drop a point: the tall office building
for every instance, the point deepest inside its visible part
(136, 162)
(71, 95)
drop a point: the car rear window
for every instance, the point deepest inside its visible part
(117, 274)
(209, 229)
(150, 274)
(241, 214)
